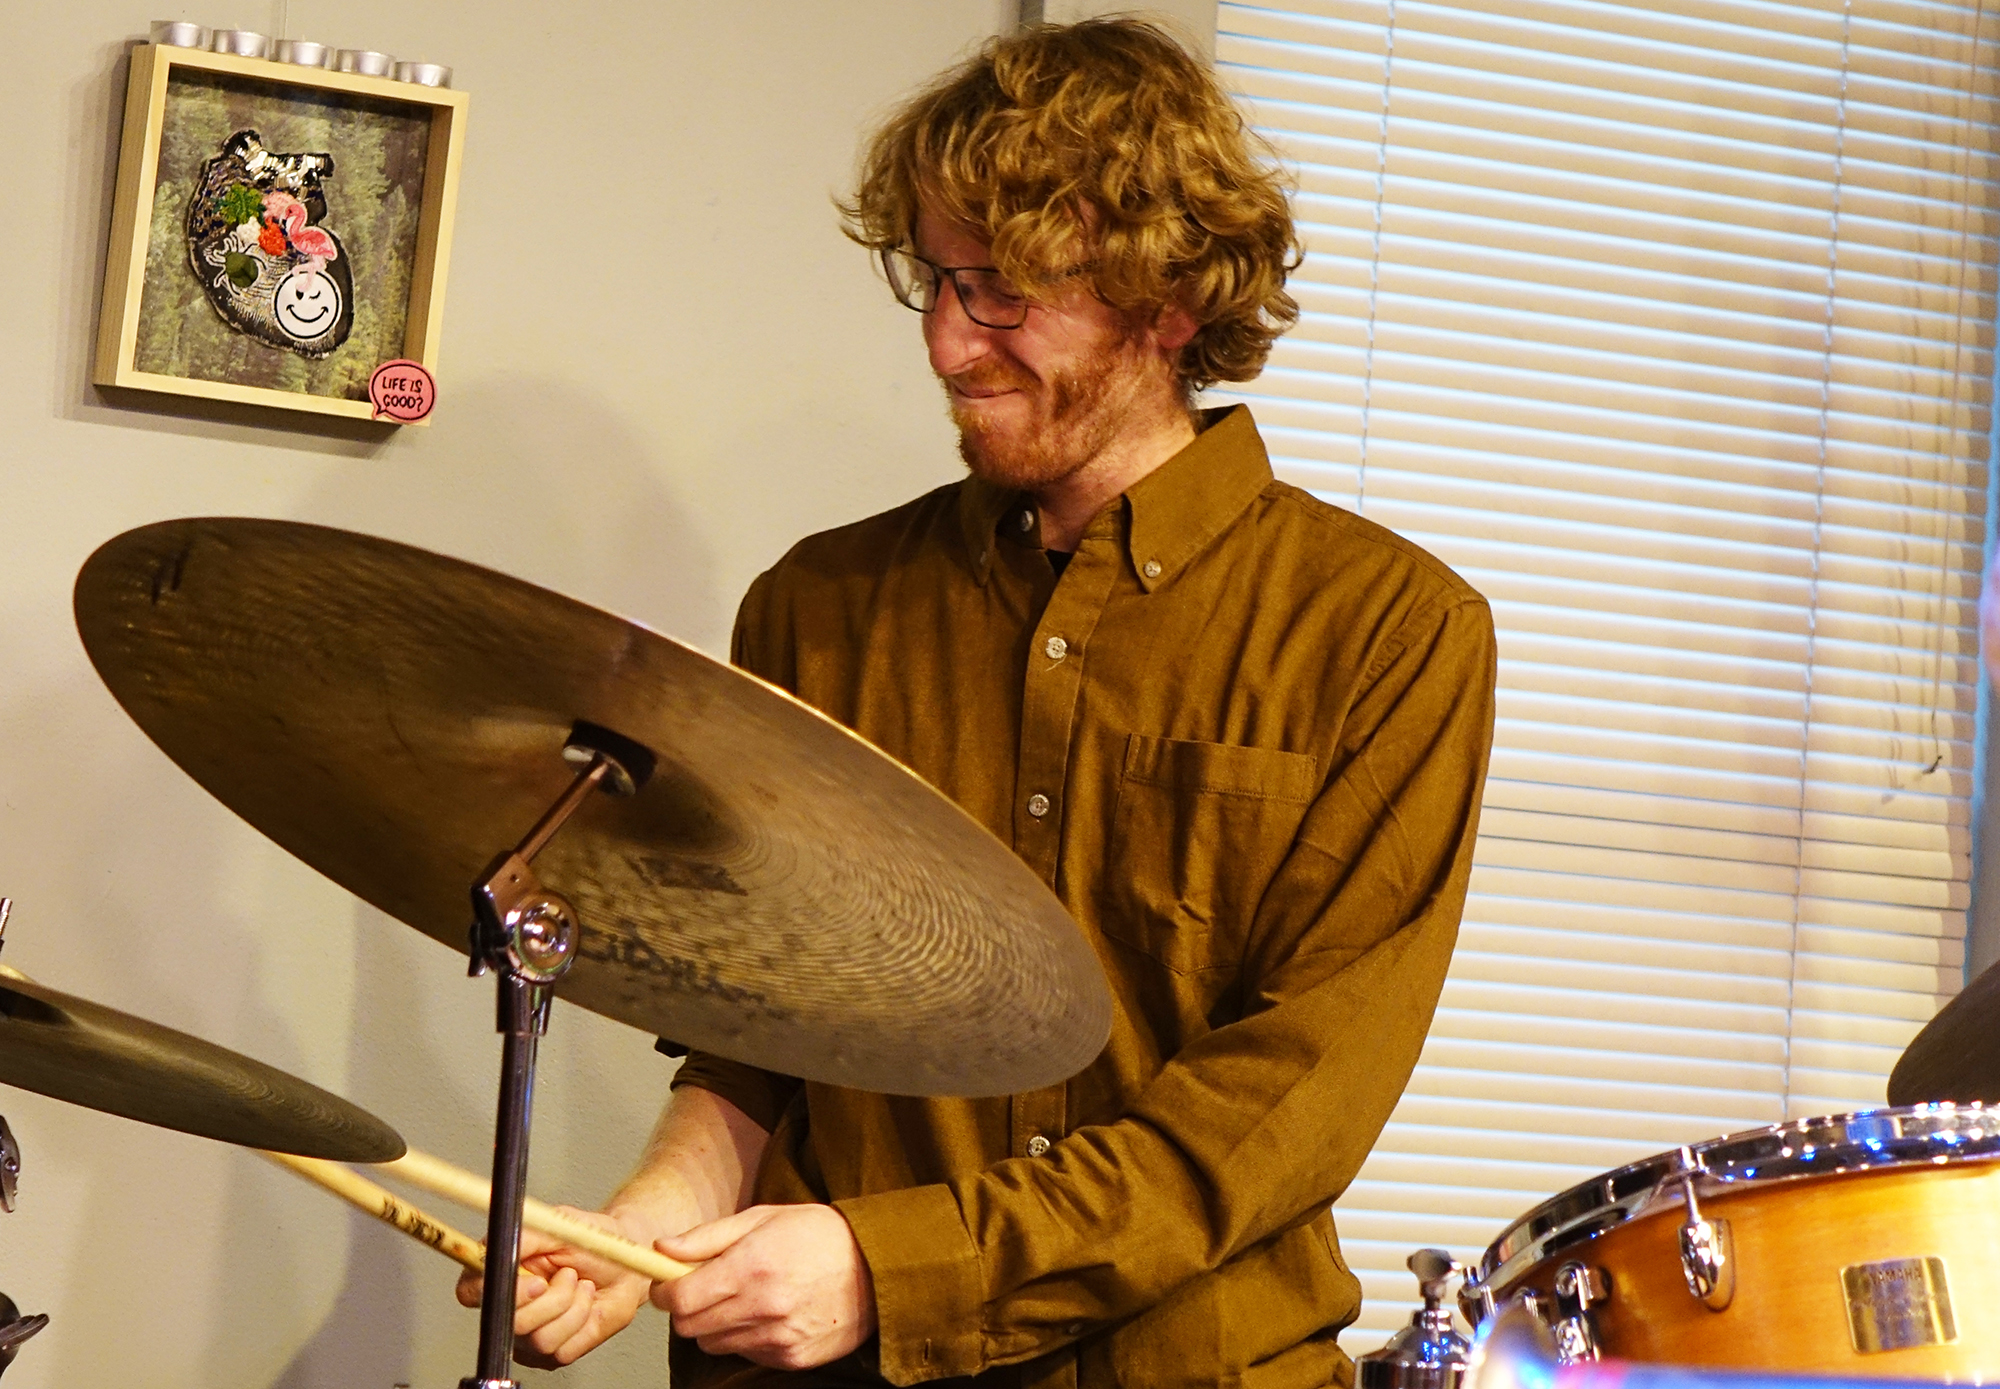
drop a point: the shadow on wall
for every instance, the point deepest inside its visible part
(366, 1338)
(542, 480)
(157, 910)
(548, 483)
(374, 1335)
(538, 478)
(425, 1057)
(532, 476)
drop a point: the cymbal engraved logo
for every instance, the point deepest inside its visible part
(676, 972)
(687, 873)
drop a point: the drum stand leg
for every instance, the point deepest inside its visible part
(528, 937)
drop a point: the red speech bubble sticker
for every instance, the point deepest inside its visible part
(402, 390)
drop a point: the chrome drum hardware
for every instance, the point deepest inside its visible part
(1708, 1260)
(1856, 1244)
(1428, 1353)
(1579, 1288)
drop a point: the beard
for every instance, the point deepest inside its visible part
(1076, 412)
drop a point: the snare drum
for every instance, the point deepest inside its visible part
(1867, 1244)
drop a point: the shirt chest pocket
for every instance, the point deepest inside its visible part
(1198, 831)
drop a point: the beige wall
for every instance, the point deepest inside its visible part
(661, 364)
(1192, 20)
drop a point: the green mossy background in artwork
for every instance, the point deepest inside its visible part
(373, 199)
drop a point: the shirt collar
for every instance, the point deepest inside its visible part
(1175, 510)
(981, 504)
(1193, 497)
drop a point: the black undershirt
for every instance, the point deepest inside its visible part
(1059, 560)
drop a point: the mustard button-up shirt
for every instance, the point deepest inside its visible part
(1242, 736)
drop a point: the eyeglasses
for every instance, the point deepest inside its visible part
(985, 294)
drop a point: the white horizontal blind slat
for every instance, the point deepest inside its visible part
(1670, 325)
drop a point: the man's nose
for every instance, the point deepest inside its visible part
(954, 340)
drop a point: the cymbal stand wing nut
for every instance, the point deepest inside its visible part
(1428, 1353)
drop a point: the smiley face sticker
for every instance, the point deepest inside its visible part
(258, 242)
(306, 303)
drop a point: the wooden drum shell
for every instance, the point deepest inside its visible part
(1791, 1240)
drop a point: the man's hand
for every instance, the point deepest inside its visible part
(697, 1166)
(784, 1286)
(576, 1302)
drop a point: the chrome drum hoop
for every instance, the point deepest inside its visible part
(1910, 1136)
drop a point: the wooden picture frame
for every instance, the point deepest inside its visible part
(159, 329)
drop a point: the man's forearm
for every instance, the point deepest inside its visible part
(698, 1165)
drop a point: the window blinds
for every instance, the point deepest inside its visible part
(1669, 326)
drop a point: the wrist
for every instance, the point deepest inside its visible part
(654, 1206)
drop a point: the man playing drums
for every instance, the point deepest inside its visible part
(1239, 732)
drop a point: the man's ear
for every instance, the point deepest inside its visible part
(1174, 327)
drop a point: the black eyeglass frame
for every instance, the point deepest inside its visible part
(949, 272)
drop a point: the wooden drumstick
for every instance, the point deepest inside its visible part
(440, 1178)
(386, 1206)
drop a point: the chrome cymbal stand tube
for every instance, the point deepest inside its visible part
(527, 936)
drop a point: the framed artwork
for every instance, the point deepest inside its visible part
(279, 233)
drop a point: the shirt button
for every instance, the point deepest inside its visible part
(1151, 569)
(1076, 1328)
(1037, 1146)
(1038, 805)
(1055, 648)
(1027, 521)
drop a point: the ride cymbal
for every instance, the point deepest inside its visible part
(779, 891)
(85, 1053)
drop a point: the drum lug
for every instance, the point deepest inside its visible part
(1541, 1308)
(1708, 1256)
(1476, 1302)
(1579, 1288)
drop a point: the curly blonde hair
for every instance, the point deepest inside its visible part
(1102, 146)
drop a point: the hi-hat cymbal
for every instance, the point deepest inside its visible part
(779, 891)
(1957, 1055)
(75, 1050)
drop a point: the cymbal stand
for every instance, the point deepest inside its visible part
(528, 936)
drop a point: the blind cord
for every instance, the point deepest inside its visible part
(1949, 464)
(1375, 256)
(1818, 530)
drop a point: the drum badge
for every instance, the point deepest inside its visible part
(256, 244)
(1898, 1303)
